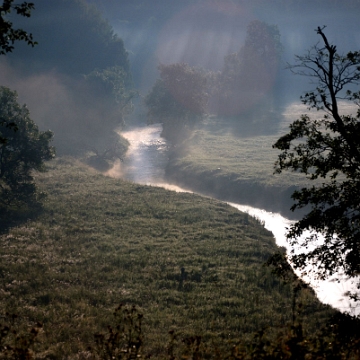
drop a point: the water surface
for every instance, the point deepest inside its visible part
(145, 164)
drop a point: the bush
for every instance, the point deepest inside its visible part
(23, 148)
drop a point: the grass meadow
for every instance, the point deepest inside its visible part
(220, 159)
(188, 263)
(233, 158)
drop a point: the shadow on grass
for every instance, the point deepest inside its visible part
(99, 163)
(10, 218)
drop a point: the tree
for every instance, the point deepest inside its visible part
(24, 150)
(90, 74)
(87, 39)
(327, 151)
(178, 99)
(87, 119)
(113, 84)
(248, 76)
(8, 35)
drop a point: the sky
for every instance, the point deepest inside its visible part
(201, 33)
(198, 32)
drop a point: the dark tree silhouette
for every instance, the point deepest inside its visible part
(327, 151)
(24, 149)
(8, 35)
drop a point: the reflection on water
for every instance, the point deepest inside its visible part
(330, 291)
(145, 164)
(147, 156)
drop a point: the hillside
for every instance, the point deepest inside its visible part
(233, 159)
(188, 263)
(221, 160)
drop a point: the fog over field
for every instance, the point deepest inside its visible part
(150, 151)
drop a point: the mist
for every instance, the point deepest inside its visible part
(191, 96)
(202, 33)
(64, 105)
(49, 78)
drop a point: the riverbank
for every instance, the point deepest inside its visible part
(146, 161)
(232, 189)
(216, 160)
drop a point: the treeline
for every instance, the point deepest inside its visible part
(81, 71)
(243, 89)
(72, 37)
(77, 86)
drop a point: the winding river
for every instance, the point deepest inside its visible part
(145, 164)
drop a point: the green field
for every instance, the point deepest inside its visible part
(233, 158)
(215, 148)
(188, 263)
(220, 159)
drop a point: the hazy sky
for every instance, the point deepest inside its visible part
(201, 33)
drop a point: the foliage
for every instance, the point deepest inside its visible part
(177, 99)
(161, 104)
(326, 150)
(87, 40)
(113, 83)
(248, 76)
(84, 90)
(264, 40)
(112, 91)
(24, 149)
(8, 35)
(186, 84)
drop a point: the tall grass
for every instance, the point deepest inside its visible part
(189, 263)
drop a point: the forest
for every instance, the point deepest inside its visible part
(258, 104)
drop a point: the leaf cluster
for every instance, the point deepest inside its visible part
(8, 35)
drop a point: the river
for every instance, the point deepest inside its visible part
(145, 164)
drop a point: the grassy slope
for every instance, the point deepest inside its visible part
(217, 159)
(225, 158)
(102, 241)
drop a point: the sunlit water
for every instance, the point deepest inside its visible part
(333, 290)
(145, 164)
